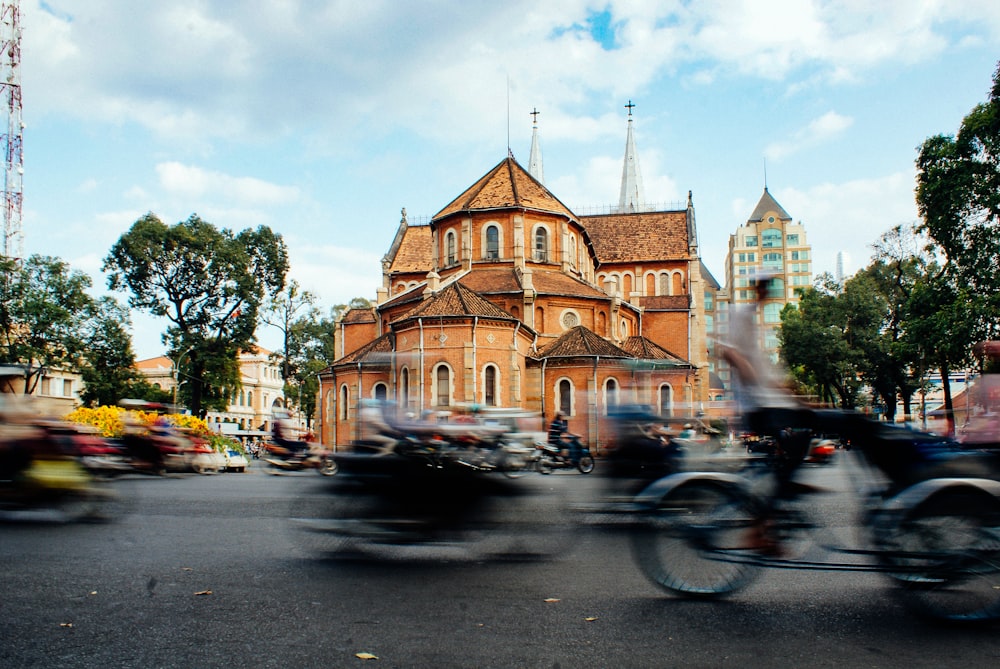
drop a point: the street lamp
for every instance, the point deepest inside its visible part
(177, 371)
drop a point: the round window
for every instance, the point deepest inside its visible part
(570, 319)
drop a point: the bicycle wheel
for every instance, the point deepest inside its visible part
(948, 553)
(682, 548)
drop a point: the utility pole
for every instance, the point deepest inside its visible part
(12, 139)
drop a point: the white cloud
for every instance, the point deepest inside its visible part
(198, 70)
(820, 130)
(195, 182)
(850, 216)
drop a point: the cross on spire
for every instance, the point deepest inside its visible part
(630, 107)
(534, 114)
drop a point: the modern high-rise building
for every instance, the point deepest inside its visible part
(768, 243)
(844, 269)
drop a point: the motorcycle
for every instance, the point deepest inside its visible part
(42, 477)
(310, 456)
(570, 454)
(427, 500)
(931, 518)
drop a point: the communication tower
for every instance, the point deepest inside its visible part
(11, 141)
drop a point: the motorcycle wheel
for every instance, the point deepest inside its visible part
(680, 546)
(327, 466)
(543, 465)
(586, 464)
(948, 553)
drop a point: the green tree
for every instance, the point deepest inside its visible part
(281, 312)
(43, 314)
(899, 266)
(815, 340)
(958, 197)
(210, 284)
(107, 363)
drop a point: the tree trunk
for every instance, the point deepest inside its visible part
(949, 409)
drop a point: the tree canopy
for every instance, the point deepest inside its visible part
(210, 284)
(44, 312)
(958, 197)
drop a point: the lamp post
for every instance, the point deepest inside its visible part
(177, 372)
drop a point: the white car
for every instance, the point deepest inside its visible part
(235, 461)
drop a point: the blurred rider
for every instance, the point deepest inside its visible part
(560, 437)
(284, 433)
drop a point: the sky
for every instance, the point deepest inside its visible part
(323, 120)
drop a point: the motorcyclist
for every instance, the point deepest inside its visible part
(768, 405)
(283, 433)
(566, 442)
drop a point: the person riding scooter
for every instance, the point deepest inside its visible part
(566, 442)
(284, 433)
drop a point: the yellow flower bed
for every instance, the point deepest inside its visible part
(110, 420)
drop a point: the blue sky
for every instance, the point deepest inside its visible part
(324, 119)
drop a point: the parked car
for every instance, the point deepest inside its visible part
(235, 461)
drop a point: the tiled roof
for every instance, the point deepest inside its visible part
(413, 294)
(492, 280)
(766, 204)
(355, 316)
(665, 302)
(376, 351)
(457, 300)
(414, 253)
(506, 185)
(660, 235)
(160, 361)
(645, 349)
(581, 342)
(557, 283)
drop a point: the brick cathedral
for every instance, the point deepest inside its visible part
(508, 298)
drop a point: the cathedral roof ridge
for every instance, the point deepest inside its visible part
(508, 185)
(377, 350)
(456, 300)
(580, 342)
(647, 349)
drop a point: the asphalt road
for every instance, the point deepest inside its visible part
(207, 571)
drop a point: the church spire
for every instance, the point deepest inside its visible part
(535, 168)
(632, 197)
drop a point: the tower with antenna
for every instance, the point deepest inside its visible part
(11, 141)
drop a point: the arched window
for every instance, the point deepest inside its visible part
(492, 242)
(442, 382)
(249, 398)
(380, 391)
(651, 285)
(610, 394)
(243, 398)
(404, 389)
(572, 251)
(666, 401)
(343, 402)
(770, 238)
(490, 386)
(565, 390)
(541, 244)
(539, 319)
(449, 245)
(678, 281)
(776, 288)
